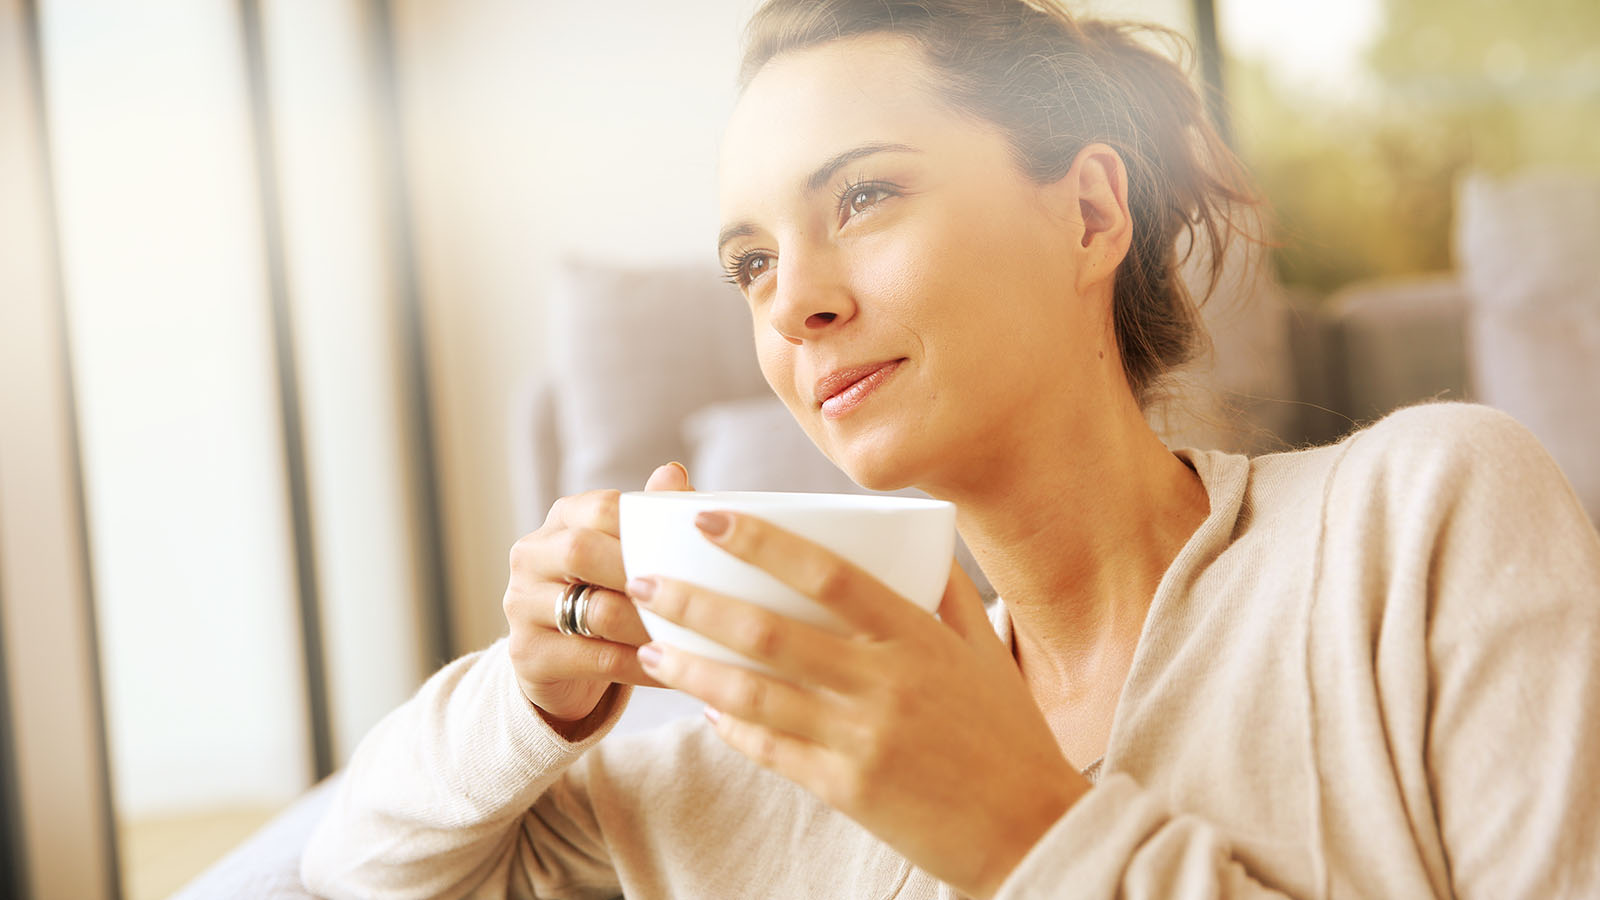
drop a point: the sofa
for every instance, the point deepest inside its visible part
(652, 364)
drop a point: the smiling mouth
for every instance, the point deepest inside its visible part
(843, 391)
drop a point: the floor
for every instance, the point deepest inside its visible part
(161, 855)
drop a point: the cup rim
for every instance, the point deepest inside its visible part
(793, 499)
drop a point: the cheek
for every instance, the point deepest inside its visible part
(881, 262)
(902, 279)
(776, 358)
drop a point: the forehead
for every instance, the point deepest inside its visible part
(807, 105)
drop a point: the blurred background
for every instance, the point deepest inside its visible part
(275, 276)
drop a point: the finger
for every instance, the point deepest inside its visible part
(752, 696)
(816, 572)
(797, 650)
(563, 658)
(568, 555)
(670, 477)
(597, 510)
(961, 607)
(798, 760)
(609, 615)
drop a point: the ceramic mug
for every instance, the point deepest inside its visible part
(905, 542)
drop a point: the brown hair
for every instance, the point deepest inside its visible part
(1055, 85)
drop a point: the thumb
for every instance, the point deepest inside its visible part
(670, 477)
(962, 607)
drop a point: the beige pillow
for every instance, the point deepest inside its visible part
(756, 445)
(1529, 251)
(634, 351)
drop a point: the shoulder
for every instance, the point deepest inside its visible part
(1434, 431)
(1413, 471)
(1463, 493)
(1448, 455)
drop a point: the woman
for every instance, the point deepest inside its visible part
(1362, 670)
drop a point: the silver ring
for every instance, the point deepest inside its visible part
(567, 609)
(580, 615)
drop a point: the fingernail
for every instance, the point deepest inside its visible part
(681, 469)
(640, 589)
(649, 656)
(713, 714)
(712, 524)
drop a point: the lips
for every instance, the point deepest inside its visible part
(840, 391)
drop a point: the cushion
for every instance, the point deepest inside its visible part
(634, 351)
(756, 445)
(267, 864)
(1526, 246)
(1401, 340)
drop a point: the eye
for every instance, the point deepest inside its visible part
(746, 266)
(858, 198)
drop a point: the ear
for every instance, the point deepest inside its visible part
(1097, 184)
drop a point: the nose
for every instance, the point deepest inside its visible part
(810, 300)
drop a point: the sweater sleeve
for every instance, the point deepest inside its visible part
(450, 796)
(1513, 644)
(1119, 841)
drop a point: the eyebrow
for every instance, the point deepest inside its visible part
(823, 174)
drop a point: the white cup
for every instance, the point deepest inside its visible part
(905, 542)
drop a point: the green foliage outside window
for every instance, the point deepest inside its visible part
(1364, 188)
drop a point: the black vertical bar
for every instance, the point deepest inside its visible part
(305, 558)
(430, 559)
(13, 855)
(34, 43)
(1205, 29)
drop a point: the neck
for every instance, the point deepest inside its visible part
(1076, 543)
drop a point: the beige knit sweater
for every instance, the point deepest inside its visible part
(1374, 671)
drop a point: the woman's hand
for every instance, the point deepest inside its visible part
(565, 676)
(920, 729)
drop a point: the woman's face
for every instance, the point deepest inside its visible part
(912, 302)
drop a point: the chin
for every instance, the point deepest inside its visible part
(877, 481)
(876, 465)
